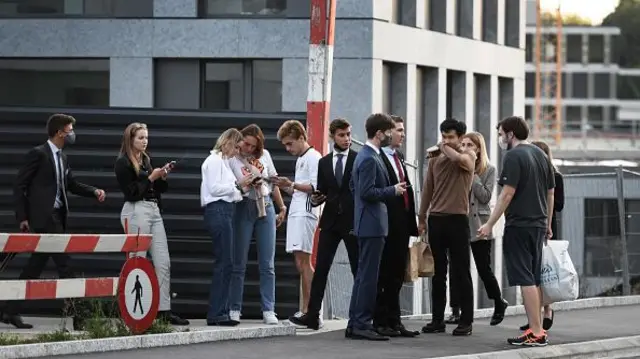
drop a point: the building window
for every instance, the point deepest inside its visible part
(596, 49)
(579, 86)
(602, 85)
(254, 85)
(244, 7)
(76, 8)
(529, 48)
(596, 117)
(574, 48)
(490, 21)
(404, 12)
(437, 12)
(573, 118)
(54, 82)
(530, 84)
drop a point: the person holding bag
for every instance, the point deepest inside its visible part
(142, 186)
(482, 187)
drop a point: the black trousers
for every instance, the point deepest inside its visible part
(481, 250)
(391, 278)
(327, 247)
(37, 262)
(449, 234)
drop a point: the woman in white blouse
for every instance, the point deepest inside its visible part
(219, 193)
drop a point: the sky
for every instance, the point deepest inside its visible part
(594, 10)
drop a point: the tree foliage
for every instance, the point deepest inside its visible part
(549, 19)
(626, 16)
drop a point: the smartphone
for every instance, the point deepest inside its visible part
(317, 193)
(256, 179)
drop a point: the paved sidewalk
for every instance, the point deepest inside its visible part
(569, 327)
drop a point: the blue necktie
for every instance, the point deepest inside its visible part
(339, 169)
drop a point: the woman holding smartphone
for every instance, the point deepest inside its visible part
(142, 186)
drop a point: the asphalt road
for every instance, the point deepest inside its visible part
(569, 327)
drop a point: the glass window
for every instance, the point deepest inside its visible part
(574, 48)
(530, 84)
(76, 8)
(596, 117)
(579, 85)
(253, 85)
(573, 118)
(54, 82)
(266, 86)
(245, 7)
(596, 49)
(490, 22)
(602, 85)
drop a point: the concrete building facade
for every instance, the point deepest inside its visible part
(422, 59)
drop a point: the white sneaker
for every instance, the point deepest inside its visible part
(270, 318)
(234, 315)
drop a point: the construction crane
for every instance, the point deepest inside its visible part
(547, 112)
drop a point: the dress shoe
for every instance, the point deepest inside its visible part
(16, 321)
(387, 332)
(306, 320)
(367, 334)
(434, 327)
(348, 333)
(404, 332)
(462, 330)
(498, 312)
(172, 318)
(454, 318)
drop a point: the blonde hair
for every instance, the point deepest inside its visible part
(127, 146)
(231, 135)
(293, 129)
(482, 162)
(547, 151)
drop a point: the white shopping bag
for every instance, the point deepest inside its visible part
(559, 276)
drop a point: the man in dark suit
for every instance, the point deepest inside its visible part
(371, 188)
(336, 223)
(402, 225)
(41, 202)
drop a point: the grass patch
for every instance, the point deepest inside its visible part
(102, 321)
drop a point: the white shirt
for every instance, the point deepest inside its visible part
(55, 150)
(344, 154)
(218, 181)
(269, 170)
(373, 146)
(306, 173)
(389, 152)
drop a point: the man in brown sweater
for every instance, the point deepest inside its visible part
(446, 197)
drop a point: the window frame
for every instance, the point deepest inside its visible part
(111, 15)
(203, 13)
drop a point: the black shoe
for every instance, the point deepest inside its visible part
(406, 333)
(454, 318)
(368, 334)
(348, 333)
(224, 323)
(172, 318)
(463, 330)
(16, 321)
(387, 332)
(547, 323)
(498, 312)
(528, 339)
(524, 327)
(434, 327)
(306, 320)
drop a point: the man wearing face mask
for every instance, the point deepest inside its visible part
(336, 223)
(42, 204)
(528, 183)
(446, 196)
(371, 189)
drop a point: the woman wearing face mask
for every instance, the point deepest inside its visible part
(251, 221)
(219, 193)
(142, 186)
(558, 205)
(479, 210)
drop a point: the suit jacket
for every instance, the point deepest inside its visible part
(371, 189)
(338, 208)
(479, 198)
(36, 186)
(399, 218)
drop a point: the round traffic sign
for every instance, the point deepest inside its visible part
(138, 294)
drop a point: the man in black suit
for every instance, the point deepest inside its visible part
(402, 225)
(336, 223)
(41, 202)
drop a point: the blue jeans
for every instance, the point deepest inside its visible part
(246, 224)
(218, 218)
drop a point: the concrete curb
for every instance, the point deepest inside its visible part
(588, 303)
(625, 347)
(141, 341)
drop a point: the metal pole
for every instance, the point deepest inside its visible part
(626, 285)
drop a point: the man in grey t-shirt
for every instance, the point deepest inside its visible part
(527, 181)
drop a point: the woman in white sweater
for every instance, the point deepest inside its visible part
(219, 193)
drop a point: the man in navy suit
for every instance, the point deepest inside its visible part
(371, 188)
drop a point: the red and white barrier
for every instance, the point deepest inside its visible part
(58, 288)
(73, 243)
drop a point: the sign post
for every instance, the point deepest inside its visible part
(138, 294)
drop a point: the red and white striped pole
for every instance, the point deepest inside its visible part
(323, 20)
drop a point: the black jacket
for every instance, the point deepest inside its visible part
(399, 218)
(338, 209)
(136, 187)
